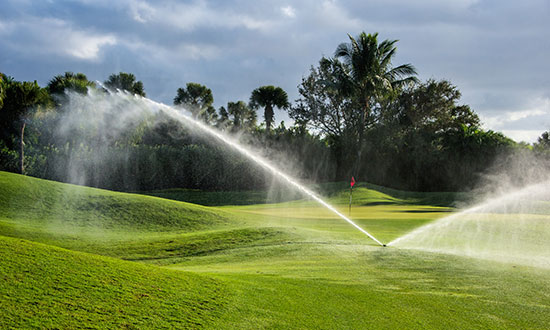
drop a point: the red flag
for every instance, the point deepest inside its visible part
(352, 181)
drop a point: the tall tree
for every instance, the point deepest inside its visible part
(243, 116)
(322, 105)
(60, 84)
(269, 97)
(543, 142)
(223, 118)
(21, 100)
(209, 116)
(370, 75)
(2, 89)
(542, 147)
(197, 99)
(126, 82)
(431, 107)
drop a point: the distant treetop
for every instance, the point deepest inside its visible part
(126, 82)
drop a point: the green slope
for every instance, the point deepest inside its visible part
(370, 194)
(48, 287)
(219, 198)
(336, 192)
(282, 266)
(41, 201)
(126, 226)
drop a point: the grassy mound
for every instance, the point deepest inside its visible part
(219, 198)
(48, 287)
(125, 226)
(370, 194)
(40, 201)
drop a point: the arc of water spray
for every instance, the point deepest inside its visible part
(256, 158)
(489, 204)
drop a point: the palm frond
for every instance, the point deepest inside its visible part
(405, 82)
(402, 71)
(387, 56)
(343, 50)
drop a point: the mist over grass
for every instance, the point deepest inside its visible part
(509, 219)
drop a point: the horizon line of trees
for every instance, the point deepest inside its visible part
(357, 115)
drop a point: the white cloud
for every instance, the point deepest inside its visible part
(189, 17)
(522, 125)
(55, 36)
(539, 107)
(141, 11)
(528, 136)
(248, 22)
(181, 51)
(87, 47)
(183, 16)
(515, 116)
(198, 51)
(332, 14)
(288, 11)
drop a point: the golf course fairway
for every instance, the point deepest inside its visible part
(79, 257)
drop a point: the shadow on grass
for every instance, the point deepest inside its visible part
(426, 211)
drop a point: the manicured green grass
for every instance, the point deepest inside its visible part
(219, 198)
(337, 192)
(350, 287)
(367, 193)
(48, 287)
(285, 265)
(43, 202)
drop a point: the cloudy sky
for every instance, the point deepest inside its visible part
(496, 52)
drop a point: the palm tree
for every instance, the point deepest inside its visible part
(370, 75)
(243, 116)
(126, 82)
(21, 100)
(2, 89)
(197, 98)
(269, 97)
(68, 82)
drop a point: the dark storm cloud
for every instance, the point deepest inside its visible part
(494, 51)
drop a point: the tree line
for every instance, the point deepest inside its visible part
(357, 115)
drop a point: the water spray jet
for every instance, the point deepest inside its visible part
(510, 227)
(227, 140)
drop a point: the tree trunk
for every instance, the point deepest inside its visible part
(357, 166)
(268, 114)
(22, 149)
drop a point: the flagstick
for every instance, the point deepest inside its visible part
(350, 194)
